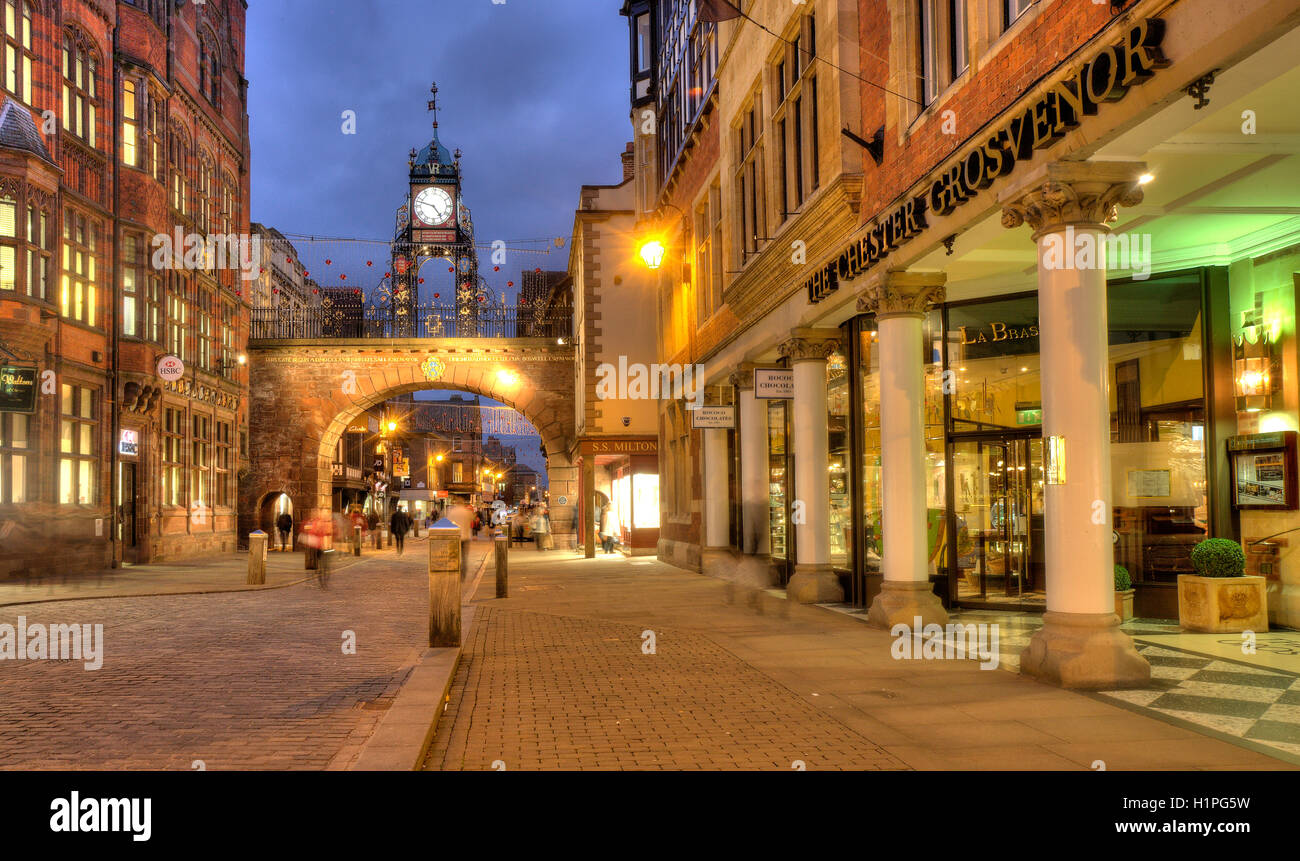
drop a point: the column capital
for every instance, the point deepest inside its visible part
(810, 344)
(1078, 193)
(898, 293)
(743, 377)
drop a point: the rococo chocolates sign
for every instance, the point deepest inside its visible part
(1106, 77)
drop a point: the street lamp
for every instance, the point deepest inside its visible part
(652, 253)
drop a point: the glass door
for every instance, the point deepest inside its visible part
(778, 489)
(997, 521)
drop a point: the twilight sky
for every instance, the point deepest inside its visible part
(534, 92)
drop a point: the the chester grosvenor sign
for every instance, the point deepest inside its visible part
(1105, 77)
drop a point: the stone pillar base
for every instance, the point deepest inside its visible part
(743, 569)
(814, 584)
(901, 601)
(1086, 651)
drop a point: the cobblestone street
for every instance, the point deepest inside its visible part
(247, 680)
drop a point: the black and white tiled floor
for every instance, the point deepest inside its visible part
(1235, 700)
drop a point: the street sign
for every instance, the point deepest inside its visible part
(171, 368)
(773, 383)
(713, 417)
(17, 389)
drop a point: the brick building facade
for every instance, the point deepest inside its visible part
(129, 122)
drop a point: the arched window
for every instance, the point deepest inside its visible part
(80, 88)
(209, 70)
(18, 49)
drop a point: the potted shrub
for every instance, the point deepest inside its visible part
(1219, 597)
(1123, 594)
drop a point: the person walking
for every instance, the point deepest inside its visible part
(607, 528)
(372, 521)
(399, 524)
(283, 525)
(463, 516)
(541, 530)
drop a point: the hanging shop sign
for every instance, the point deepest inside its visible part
(1105, 77)
(171, 368)
(773, 383)
(17, 389)
(713, 417)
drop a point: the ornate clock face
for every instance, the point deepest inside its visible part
(434, 206)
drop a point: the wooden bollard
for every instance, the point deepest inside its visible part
(444, 587)
(257, 544)
(356, 541)
(502, 544)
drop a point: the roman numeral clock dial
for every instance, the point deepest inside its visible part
(434, 206)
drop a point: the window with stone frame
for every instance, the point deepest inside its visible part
(210, 70)
(173, 457)
(78, 445)
(133, 108)
(178, 316)
(9, 239)
(223, 465)
(78, 290)
(80, 87)
(1013, 9)
(750, 184)
(18, 49)
(708, 251)
(155, 9)
(16, 445)
(179, 165)
(132, 267)
(795, 118)
(229, 331)
(204, 201)
(40, 247)
(152, 313)
(941, 46)
(200, 466)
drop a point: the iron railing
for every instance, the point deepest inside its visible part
(424, 321)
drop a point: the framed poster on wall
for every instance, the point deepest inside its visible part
(1264, 471)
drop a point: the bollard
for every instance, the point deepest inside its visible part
(356, 541)
(379, 539)
(444, 587)
(503, 565)
(257, 545)
(415, 528)
(311, 558)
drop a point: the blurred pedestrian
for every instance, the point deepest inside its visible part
(283, 525)
(400, 523)
(463, 516)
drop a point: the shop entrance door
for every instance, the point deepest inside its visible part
(995, 547)
(126, 525)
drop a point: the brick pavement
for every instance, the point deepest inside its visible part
(554, 678)
(246, 680)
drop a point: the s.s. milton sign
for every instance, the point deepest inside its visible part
(1105, 77)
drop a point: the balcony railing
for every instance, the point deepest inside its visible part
(423, 321)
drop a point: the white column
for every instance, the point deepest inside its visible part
(716, 520)
(1068, 205)
(900, 301)
(756, 533)
(813, 580)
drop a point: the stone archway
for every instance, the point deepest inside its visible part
(304, 394)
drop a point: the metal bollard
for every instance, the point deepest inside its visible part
(356, 541)
(444, 587)
(257, 544)
(502, 565)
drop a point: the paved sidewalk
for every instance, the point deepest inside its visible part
(222, 572)
(239, 680)
(555, 677)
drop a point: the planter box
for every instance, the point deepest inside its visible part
(1222, 604)
(1124, 605)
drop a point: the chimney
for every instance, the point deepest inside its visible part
(629, 162)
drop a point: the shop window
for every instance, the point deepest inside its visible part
(15, 443)
(173, 455)
(18, 49)
(839, 450)
(779, 484)
(78, 425)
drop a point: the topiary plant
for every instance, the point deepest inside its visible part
(1123, 582)
(1219, 557)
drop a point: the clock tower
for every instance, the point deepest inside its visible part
(434, 223)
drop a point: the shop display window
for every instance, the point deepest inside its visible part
(839, 451)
